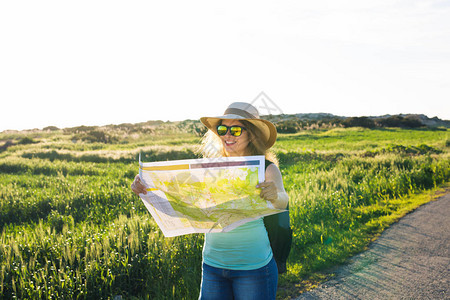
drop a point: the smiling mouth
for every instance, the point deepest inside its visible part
(229, 143)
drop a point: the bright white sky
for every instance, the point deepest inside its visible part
(70, 63)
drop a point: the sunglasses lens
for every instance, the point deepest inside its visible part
(235, 131)
(222, 130)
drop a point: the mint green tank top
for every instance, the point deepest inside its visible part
(246, 247)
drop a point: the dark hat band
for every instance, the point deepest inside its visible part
(240, 112)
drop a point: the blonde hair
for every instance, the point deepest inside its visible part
(211, 144)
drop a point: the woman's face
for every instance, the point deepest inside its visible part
(235, 145)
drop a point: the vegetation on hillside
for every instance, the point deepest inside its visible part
(70, 227)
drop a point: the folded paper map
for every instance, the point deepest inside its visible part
(204, 195)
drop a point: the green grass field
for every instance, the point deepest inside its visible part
(71, 227)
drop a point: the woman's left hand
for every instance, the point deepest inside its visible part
(268, 190)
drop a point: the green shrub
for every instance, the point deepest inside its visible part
(364, 122)
(399, 121)
(26, 141)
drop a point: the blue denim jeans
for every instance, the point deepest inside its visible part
(257, 284)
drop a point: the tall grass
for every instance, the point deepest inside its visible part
(71, 227)
(127, 257)
(332, 202)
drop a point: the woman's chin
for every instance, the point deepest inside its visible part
(232, 151)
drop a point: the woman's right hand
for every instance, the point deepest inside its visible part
(138, 186)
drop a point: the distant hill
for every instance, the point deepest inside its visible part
(308, 116)
(429, 122)
(286, 123)
(400, 120)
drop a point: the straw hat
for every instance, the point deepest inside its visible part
(244, 111)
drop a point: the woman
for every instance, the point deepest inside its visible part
(239, 264)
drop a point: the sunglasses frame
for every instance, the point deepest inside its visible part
(229, 129)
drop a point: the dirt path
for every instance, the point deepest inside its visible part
(410, 260)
